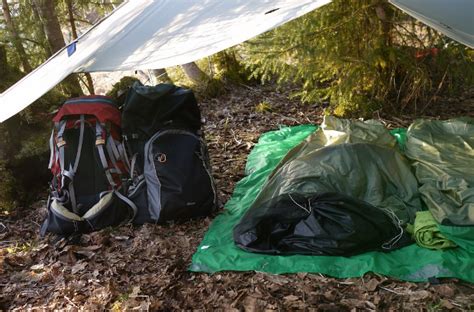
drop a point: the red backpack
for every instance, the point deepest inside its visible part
(89, 166)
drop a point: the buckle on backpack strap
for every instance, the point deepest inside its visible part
(161, 157)
(61, 142)
(99, 141)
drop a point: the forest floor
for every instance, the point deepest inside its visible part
(146, 267)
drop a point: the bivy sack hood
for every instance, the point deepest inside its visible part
(345, 190)
(171, 172)
(88, 163)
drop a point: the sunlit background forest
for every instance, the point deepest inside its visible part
(354, 58)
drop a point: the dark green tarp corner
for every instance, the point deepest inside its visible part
(217, 251)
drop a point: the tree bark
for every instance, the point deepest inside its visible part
(195, 74)
(386, 17)
(3, 61)
(52, 29)
(42, 36)
(51, 25)
(162, 75)
(3, 68)
(16, 40)
(72, 22)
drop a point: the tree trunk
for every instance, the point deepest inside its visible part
(3, 62)
(16, 40)
(51, 25)
(195, 74)
(4, 73)
(52, 29)
(162, 75)
(386, 17)
(42, 36)
(72, 22)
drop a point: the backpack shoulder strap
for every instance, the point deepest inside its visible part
(100, 142)
(58, 154)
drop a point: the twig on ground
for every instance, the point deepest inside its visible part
(392, 291)
(70, 301)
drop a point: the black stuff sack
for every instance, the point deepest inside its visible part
(327, 224)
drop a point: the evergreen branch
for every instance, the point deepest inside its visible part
(319, 32)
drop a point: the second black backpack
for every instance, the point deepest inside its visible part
(148, 109)
(171, 172)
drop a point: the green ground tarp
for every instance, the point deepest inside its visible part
(217, 251)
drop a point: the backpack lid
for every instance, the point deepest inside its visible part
(148, 109)
(102, 107)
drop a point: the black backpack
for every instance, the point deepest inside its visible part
(89, 164)
(171, 174)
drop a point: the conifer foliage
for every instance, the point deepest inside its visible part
(361, 55)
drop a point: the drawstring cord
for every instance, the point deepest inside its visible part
(398, 223)
(302, 207)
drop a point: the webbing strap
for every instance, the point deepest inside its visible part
(52, 150)
(100, 143)
(132, 165)
(60, 143)
(112, 154)
(100, 148)
(79, 147)
(61, 128)
(98, 130)
(114, 147)
(123, 155)
(61, 158)
(128, 202)
(105, 165)
(103, 159)
(56, 155)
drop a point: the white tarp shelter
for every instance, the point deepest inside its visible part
(151, 34)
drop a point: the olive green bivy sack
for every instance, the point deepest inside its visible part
(443, 157)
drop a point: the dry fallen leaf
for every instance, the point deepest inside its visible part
(291, 298)
(78, 267)
(419, 295)
(372, 284)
